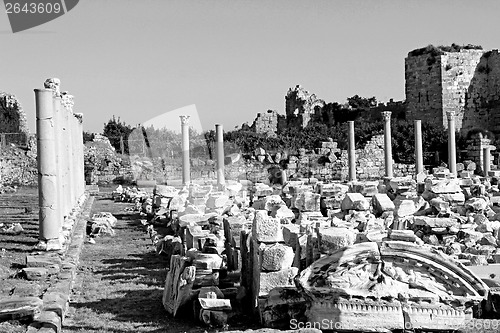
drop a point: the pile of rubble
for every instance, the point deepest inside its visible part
(18, 167)
(338, 250)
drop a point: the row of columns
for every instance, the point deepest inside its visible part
(419, 161)
(60, 164)
(219, 149)
(419, 164)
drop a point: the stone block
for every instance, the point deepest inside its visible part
(367, 189)
(332, 189)
(217, 201)
(273, 202)
(35, 273)
(214, 318)
(18, 307)
(442, 185)
(401, 184)
(440, 205)
(271, 280)
(381, 203)
(291, 233)
(405, 208)
(283, 213)
(355, 201)
(332, 239)
(266, 228)
(48, 319)
(435, 222)
(276, 257)
(51, 262)
(403, 235)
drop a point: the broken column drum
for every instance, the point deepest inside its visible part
(452, 149)
(186, 172)
(219, 133)
(387, 143)
(351, 152)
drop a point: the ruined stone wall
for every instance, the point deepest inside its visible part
(300, 106)
(12, 119)
(369, 163)
(458, 71)
(424, 88)
(467, 82)
(266, 123)
(482, 105)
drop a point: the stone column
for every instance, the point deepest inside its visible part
(219, 134)
(284, 177)
(452, 149)
(59, 148)
(186, 172)
(387, 143)
(80, 149)
(419, 156)
(486, 160)
(50, 217)
(351, 152)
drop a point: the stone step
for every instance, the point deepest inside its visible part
(19, 307)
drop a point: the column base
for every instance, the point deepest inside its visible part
(48, 245)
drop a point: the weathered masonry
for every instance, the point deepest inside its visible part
(466, 81)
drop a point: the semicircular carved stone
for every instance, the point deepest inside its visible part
(392, 285)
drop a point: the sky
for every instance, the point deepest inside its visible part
(139, 59)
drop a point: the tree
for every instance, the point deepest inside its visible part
(88, 136)
(117, 132)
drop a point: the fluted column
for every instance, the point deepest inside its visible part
(50, 216)
(452, 149)
(219, 133)
(351, 152)
(419, 156)
(186, 167)
(387, 143)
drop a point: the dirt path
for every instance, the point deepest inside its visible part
(120, 282)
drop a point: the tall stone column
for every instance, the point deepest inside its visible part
(486, 160)
(419, 156)
(80, 151)
(59, 148)
(219, 133)
(351, 152)
(186, 167)
(452, 149)
(387, 143)
(50, 217)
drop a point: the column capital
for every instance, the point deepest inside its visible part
(79, 117)
(386, 115)
(450, 115)
(184, 120)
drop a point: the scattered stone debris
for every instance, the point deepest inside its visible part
(100, 224)
(14, 229)
(296, 251)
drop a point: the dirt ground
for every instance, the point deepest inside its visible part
(120, 281)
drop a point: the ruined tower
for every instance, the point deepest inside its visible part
(461, 79)
(301, 106)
